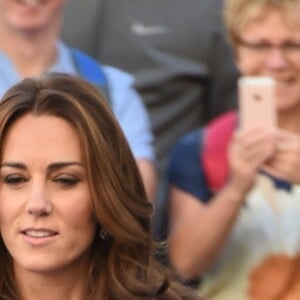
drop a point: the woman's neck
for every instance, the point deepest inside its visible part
(68, 284)
(31, 53)
(51, 289)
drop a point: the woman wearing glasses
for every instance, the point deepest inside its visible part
(243, 240)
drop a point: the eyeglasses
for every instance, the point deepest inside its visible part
(290, 50)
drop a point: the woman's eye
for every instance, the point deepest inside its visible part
(14, 180)
(66, 181)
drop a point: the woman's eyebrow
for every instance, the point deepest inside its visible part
(17, 165)
(51, 167)
(59, 165)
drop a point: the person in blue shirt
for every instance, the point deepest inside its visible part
(30, 45)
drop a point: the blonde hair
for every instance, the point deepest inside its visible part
(237, 12)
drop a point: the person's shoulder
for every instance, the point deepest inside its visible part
(86, 64)
(217, 136)
(187, 146)
(116, 74)
(228, 118)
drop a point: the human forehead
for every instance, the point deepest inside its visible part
(244, 8)
(43, 135)
(270, 20)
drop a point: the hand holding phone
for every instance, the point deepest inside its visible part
(257, 102)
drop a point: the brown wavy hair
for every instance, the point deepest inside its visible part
(124, 265)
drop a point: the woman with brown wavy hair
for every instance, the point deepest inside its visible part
(74, 218)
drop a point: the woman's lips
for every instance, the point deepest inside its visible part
(39, 237)
(31, 2)
(39, 233)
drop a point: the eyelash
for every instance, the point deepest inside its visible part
(67, 181)
(14, 180)
(17, 180)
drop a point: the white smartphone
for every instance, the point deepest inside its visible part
(257, 103)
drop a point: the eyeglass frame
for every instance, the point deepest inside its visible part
(290, 50)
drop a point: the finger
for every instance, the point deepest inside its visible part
(286, 154)
(281, 146)
(271, 171)
(251, 157)
(286, 167)
(287, 140)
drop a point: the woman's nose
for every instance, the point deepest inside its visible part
(38, 203)
(276, 59)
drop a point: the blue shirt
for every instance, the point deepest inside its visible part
(126, 103)
(186, 171)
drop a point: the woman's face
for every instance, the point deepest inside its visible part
(270, 46)
(46, 215)
(30, 15)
